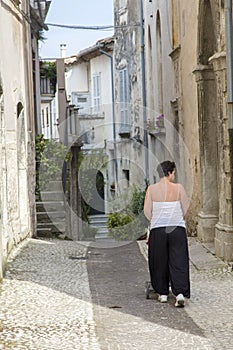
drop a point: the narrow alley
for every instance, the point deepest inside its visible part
(66, 296)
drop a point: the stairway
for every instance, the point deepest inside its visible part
(50, 211)
(99, 221)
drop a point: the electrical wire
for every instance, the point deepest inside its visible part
(105, 27)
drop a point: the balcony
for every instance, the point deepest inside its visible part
(156, 125)
(47, 87)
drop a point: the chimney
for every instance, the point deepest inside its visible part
(63, 50)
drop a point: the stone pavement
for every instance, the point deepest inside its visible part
(61, 295)
(45, 301)
(211, 302)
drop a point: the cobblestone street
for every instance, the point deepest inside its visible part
(61, 295)
(45, 301)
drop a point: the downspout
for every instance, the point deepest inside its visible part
(229, 63)
(145, 135)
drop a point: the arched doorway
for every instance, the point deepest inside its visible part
(94, 196)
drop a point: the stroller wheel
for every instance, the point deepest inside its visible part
(147, 290)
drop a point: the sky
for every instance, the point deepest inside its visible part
(75, 12)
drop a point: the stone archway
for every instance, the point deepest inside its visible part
(207, 119)
(96, 201)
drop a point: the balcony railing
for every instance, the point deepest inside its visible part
(46, 86)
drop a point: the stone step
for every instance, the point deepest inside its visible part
(102, 230)
(55, 186)
(49, 206)
(98, 220)
(51, 196)
(52, 226)
(100, 236)
(98, 216)
(43, 231)
(98, 224)
(53, 215)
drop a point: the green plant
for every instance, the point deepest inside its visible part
(138, 200)
(50, 158)
(118, 226)
(41, 36)
(131, 222)
(48, 70)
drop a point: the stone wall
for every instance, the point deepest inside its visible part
(16, 128)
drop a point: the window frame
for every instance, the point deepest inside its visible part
(96, 92)
(125, 126)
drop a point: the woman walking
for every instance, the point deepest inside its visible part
(166, 206)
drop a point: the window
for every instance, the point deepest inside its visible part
(96, 92)
(42, 118)
(124, 101)
(47, 116)
(126, 177)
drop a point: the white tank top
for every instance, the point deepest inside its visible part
(166, 214)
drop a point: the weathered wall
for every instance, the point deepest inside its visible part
(127, 55)
(215, 218)
(17, 128)
(171, 43)
(188, 104)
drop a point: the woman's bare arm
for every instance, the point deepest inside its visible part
(148, 204)
(184, 201)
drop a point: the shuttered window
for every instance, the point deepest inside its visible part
(96, 93)
(124, 101)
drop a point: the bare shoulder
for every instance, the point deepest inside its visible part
(182, 191)
(181, 187)
(153, 186)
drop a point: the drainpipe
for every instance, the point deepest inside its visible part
(229, 63)
(145, 135)
(113, 116)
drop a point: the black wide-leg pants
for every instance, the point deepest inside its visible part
(169, 260)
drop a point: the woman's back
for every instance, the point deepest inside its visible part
(165, 191)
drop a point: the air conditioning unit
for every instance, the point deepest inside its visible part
(82, 101)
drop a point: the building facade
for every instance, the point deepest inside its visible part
(90, 120)
(181, 48)
(198, 108)
(171, 91)
(19, 29)
(130, 103)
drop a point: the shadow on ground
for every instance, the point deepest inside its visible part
(117, 278)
